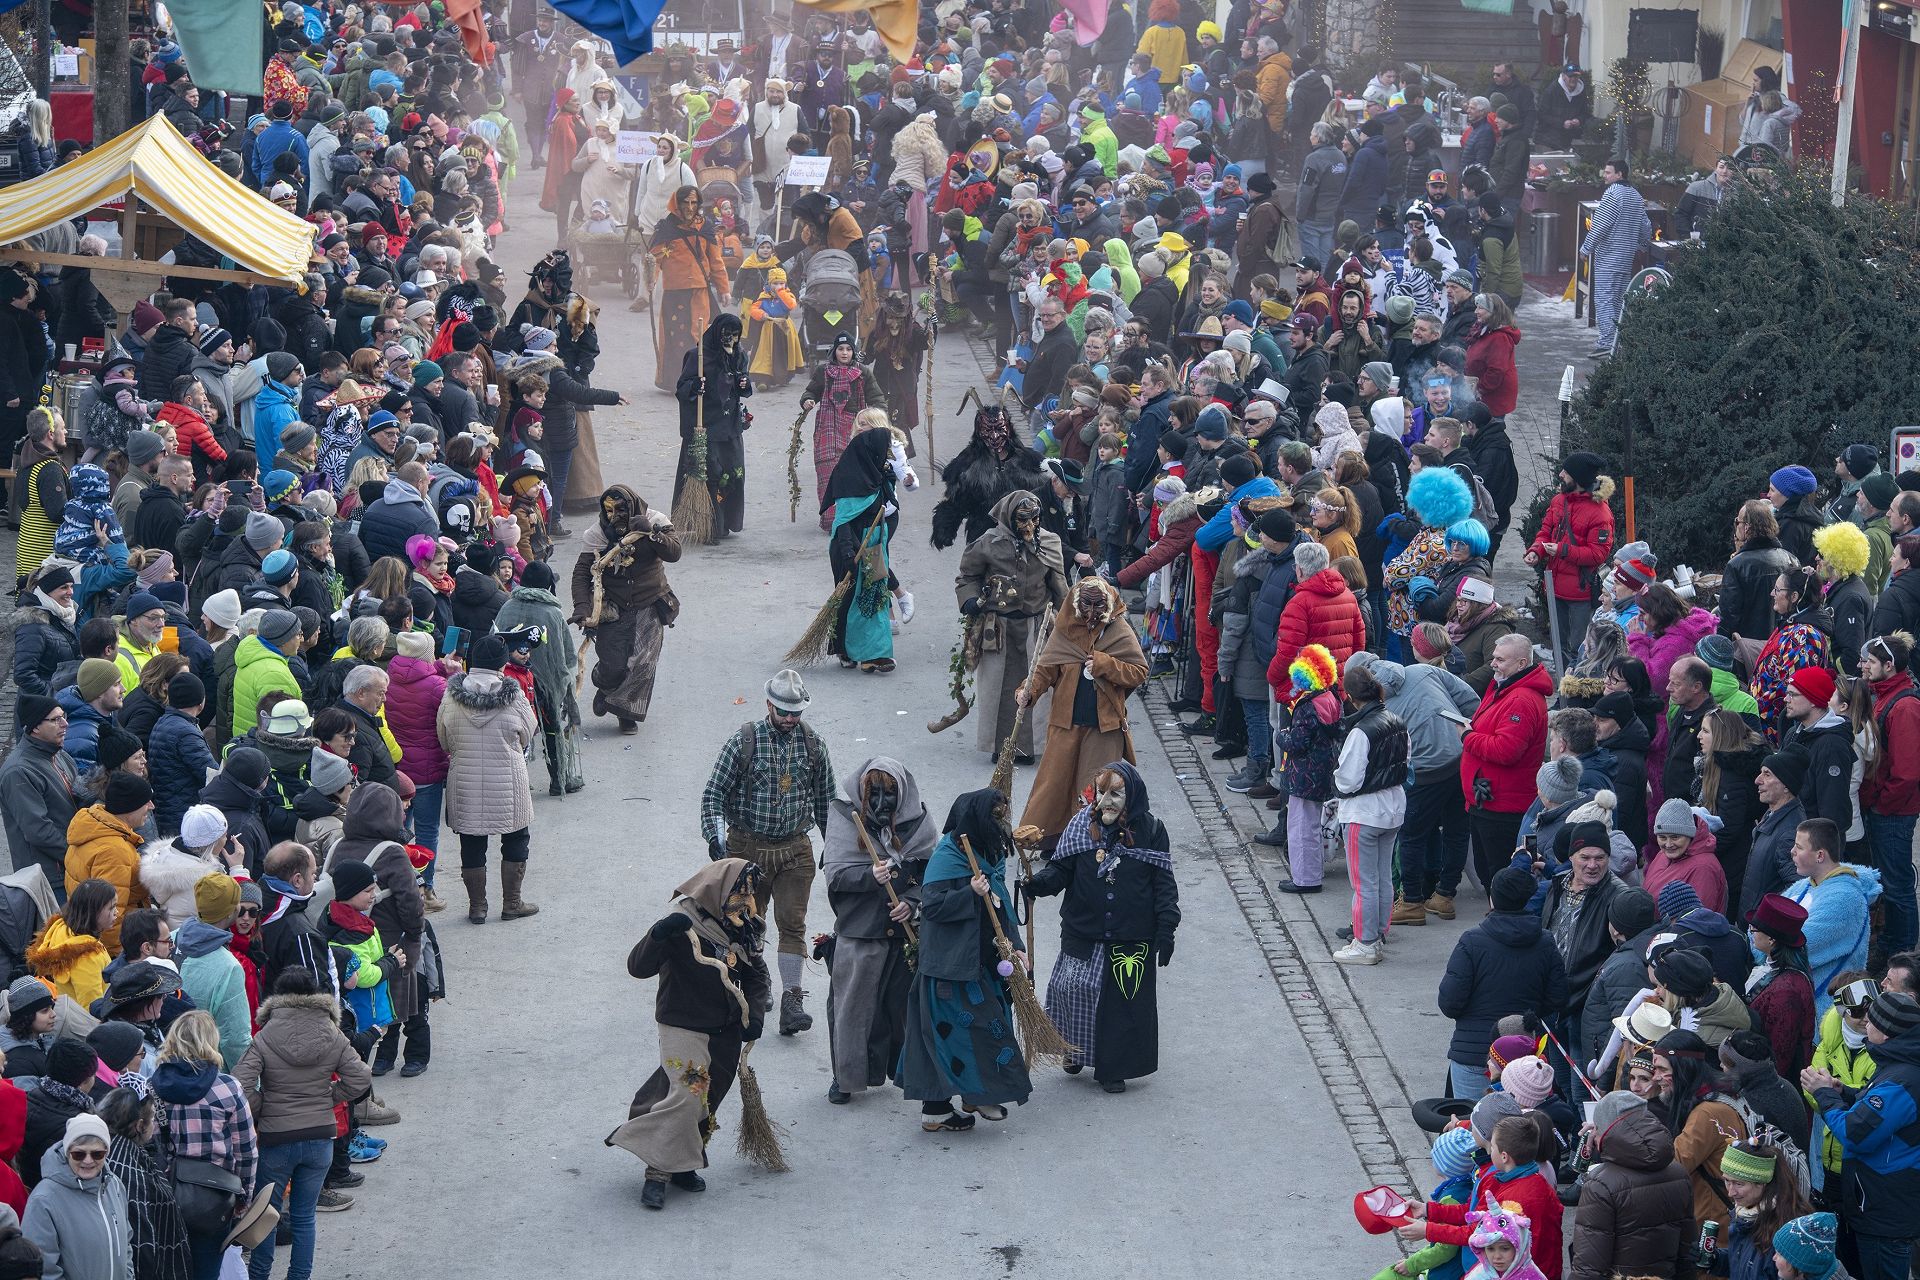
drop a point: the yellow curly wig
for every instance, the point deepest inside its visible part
(1843, 547)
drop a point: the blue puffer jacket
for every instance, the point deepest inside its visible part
(83, 728)
(1214, 533)
(400, 513)
(1263, 626)
(1366, 183)
(1879, 1188)
(178, 761)
(276, 408)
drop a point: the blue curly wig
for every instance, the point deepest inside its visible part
(1471, 532)
(1439, 497)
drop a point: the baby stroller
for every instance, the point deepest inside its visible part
(829, 295)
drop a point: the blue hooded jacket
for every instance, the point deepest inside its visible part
(1214, 533)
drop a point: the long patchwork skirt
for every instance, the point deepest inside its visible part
(672, 1115)
(960, 1041)
(626, 660)
(1102, 999)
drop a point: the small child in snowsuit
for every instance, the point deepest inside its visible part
(1502, 1240)
(1453, 1160)
(117, 410)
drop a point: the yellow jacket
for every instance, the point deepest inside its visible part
(1853, 1068)
(72, 963)
(130, 658)
(1275, 74)
(1167, 46)
(101, 847)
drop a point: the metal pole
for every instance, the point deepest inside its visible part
(1843, 126)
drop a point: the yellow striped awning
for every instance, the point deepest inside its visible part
(154, 162)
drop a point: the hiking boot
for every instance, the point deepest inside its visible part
(688, 1181)
(1441, 904)
(432, 901)
(794, 1017)
(1404, 912)
(653, 1195)
(332, 1201)
(375, 1112)
(1229, 751)
(1263, 790)
(1201, 728)
(512, 906)
(475, 878)
(1276, 802)
(1274, 839)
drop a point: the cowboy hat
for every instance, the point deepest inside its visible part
(1645, 1025)
(257, 1222)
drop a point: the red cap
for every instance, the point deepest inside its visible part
(1379, 1210)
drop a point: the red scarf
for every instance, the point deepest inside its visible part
(348, 916)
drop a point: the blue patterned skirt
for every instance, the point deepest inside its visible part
(960, 1040)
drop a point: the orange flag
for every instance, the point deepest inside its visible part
(897, 21)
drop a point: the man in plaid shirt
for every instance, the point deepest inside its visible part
(771, 784)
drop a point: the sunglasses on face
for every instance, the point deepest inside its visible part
(86, 1157)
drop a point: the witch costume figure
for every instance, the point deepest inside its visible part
(841, 389)
(1092, 661)
(868, 964)
(994, 464)
(693, 277)
(860, 502)
(716, 371)
(897, 345)
(1009, 577)
(711, 1001)
(1117, 922)
(622, 600)
(960, 1027)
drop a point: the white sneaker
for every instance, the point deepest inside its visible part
(906, 606)
(1357, 952)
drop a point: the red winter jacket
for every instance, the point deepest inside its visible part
(1172, 544)
(192, 434)
(1490, 359)
(1580, 525)
(1447, 1223)
(1321, 611)
(1507, 740)
(1892, 787)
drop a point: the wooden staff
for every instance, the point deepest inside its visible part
(793, 469)
(860, 829)
(1024, 838)
(1042, 1039)
(933, 337)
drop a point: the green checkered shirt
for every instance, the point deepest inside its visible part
(746, 786)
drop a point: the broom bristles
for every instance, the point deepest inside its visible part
(760, 1139)
(1003, 761)
(1041, 1039)
(813, 644)
(693, 513)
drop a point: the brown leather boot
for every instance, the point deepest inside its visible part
(1405, 912)
(475, 878)
(512, 907)
(1441, 904)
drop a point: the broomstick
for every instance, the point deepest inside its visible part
(1042, 1039)
(933, 337)
(1026, 838)
(811, 647)
(760, 1140)
(693, 510)
(793, 469)
(964, 650)
(860, 829)
(1003, 760)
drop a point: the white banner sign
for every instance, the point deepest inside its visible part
(635, 146)
(808, 171)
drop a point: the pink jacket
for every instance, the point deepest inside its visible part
(1699, 867)
(413, 701)
(1676, 642)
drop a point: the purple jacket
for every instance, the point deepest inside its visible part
(1676, 642)
(413, 701)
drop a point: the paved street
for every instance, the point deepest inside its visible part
(1234, 1151)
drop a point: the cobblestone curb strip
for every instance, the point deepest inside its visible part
(1345, 1051)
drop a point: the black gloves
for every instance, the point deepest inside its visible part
(667, 926)
(754, 1027)
(1163, 952)
(716, 850)
(971, 607)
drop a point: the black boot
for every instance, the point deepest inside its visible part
(688, 1181)
(653, 1195)
(1201, 728)
(419, 1046)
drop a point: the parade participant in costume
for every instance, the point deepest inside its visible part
(1010, 576)
(756, 270)
(860, 502)
(533, 606)
(898, 346)
(869, 968)
(622, 601)
(693, 279)
(708, 1006)
(1502, 1240)
(716, 372)
(1116, 926)
(841, 389)
(994, 463)
(1092, 661)
(772, 783)
(773, 333)
(960, 1038)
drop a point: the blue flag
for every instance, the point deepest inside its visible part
(223, 42)
(627, 25)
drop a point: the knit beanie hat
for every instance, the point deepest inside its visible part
(201, 826)
(1632, 912)
(1807, 1243)
(87, 1125)
(1793, 482)
(328, 773)
(277, 568)
(1894, 1012)
(1591, 834)
(1490, 1111)
(281, 364)
(125, 793)
(116, 747)
(26, 995)
(117, 1044)
(216, 898)
(1684, 972)
(1512, 1048)
(186, 690)
(1677, 897)
(1558, 781)
(1790, 767)
(350, 878)
(1881, 490)
(1453, 1154)
(222, 608)
(1512, 889)
(96, 676)
(263, 532)
(1674, 819)
(1529, 1080)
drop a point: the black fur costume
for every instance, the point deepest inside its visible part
(976, 479)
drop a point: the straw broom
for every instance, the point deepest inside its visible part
(693, 510)
(793, 469)
(760, 1139)
(811, 647)
(1042, 1039)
